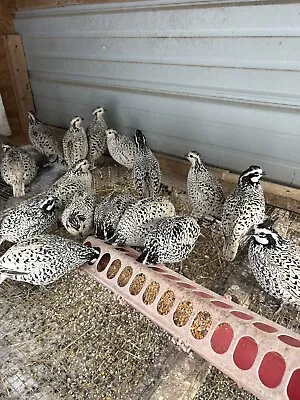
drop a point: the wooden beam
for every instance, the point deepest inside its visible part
(32, 4)
(176, 170)
(19, 78)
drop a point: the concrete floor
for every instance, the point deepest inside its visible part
(73, 341)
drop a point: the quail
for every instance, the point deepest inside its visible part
(75, 143)
(146, 174)
(170, 240)
(30, 218)
(44, 139)
(122, 148)
(77, 178)
(108, 213)
(96, 136)
(205, 192)
(44, 259)
(244, 207)
(275, 263)
(138, 220)
(18, 168)
(77, 218)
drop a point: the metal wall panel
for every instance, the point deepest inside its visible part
(221, 78)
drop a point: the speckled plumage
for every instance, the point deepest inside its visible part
(96, 136)
(44, 259)
(138, 220)
(44, 139)
(146, 174)
(275, 263)
(108, 213)
(18, 168)
(204, 190)
(122, 148)
(75, 143)
(242, 209)
(170, 240)
(78, 178)
(78, 216)
(30, 218)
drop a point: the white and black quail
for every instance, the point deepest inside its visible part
(146, 174)
(243, 208)
(78, 216)
(204, 191)
(78, 178)
(108, 213)
(30, 218)
(170, 240)
(44, 259)
(139, 218)
(275, 263)
(44, 139)
(96, 136)
(122, 148)
(18, 168)
(75, 143)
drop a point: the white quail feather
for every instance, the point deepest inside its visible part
(122, 148)
(44, 139)
(243, 208)
(275, 263)
(96, 136)
(170, 240)
(75, 179)
(30, 218)
(205, 192)
(146, 174)
(44, 259)
(75, 143)
(108, 213)
(18, 168)
(78, 217)
(139, 218)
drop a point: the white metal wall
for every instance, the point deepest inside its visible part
(209, 75)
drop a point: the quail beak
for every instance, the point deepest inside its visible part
(104, 109)
(251, 231)
(264, 173)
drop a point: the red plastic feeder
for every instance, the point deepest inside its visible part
(258, 354)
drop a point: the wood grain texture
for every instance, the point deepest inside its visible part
(32, 4)
(19, 77)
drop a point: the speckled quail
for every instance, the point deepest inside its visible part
(122, 148)
(75, 143)
(96, 136)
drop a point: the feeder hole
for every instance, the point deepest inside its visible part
(171, 277)
(137, 284)
(124, 276)
(241, 315)
(185, 285)
(182, 313)
(88, 244)
(264, 327)
(166, 302)
(271, 369)
(293, 391)
(245, 353)
(103, 262)
(290, 341)
(113, 269)
(221, 338)
(201, 324)
(156, 269)
(220, 304)
(202, 294)
(151, 293)
(120, 249)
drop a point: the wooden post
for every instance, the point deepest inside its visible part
(19, 78)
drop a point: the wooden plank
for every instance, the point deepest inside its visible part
(31, 4)
(19, 78)
(176, 170)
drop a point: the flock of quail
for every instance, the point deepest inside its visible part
(148, 222)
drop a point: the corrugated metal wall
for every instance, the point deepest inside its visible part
(220, 78)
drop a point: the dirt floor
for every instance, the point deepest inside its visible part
(73, 341)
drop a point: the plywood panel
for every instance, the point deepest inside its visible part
(19, 77)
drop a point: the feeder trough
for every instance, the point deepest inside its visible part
(261, 356)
